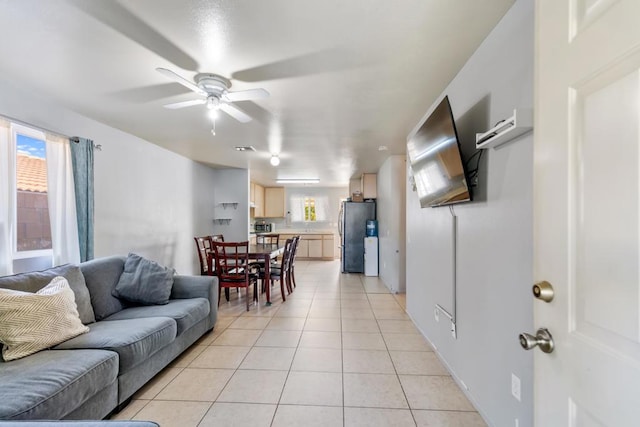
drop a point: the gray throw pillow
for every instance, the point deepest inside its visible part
(36, 280)
(144, 282)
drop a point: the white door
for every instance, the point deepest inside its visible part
(587, 210)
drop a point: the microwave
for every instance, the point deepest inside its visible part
(263, 228)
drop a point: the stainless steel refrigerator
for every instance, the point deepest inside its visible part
(353, 229)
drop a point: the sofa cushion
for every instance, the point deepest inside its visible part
(134, 340)
(144, 281)
(36, 280)
(30, 322)
(101, 276)
(50, 384)
(186, 312)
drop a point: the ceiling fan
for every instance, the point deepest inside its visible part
(214, 90)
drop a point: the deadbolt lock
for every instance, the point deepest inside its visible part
(543, 291)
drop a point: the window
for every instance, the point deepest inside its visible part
(30, 190)
(38, 223)
(309, 209)
(306, 208)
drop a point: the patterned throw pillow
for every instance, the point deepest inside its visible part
(30, 322)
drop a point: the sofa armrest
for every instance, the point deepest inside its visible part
(198, 287)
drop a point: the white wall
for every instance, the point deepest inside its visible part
(147, 199)
(391, 222)
(495, 242)
(231, 186)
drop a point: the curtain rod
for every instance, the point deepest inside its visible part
(75, 139)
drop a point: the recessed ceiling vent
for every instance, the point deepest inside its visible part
(246, 148)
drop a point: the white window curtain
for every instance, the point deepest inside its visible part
(322, 208)
(62, 202)
(6, 231)
(297, 208)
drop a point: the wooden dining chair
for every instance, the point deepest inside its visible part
(280, 271)
(219, 238)
(232, 269)
(292, 261)
(203, 245)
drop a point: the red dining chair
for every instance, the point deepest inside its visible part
(203, 245)
(231, 261)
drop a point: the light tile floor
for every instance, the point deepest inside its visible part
(341, 351)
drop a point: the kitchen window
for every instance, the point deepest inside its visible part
(309, 208)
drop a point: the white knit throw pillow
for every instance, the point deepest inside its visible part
(32, 322)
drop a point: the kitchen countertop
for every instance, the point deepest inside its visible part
(296, 231)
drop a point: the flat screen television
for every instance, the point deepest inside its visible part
(434, 154)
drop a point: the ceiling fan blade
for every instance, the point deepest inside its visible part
(179, 79)
(120, 19)
(324, 61)
(144, 94)
(246, 95)
(183, 104)
(235, 112)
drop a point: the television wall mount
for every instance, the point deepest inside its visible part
(512, 127)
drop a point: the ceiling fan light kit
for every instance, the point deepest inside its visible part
(213, 113)
(215, 92)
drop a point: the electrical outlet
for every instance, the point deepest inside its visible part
(436, 314)
(515, 387)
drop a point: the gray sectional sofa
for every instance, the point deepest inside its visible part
(89, 376)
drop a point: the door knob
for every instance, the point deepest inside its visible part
(543, 339)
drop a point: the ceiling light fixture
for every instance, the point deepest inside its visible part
(275, 160)
(298, 181)
(213, 113)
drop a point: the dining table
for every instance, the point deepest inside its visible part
(266, 252)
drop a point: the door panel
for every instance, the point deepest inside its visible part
(606, 211)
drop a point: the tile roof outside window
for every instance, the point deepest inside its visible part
(31, 173)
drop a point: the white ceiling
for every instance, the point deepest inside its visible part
(345, 76)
